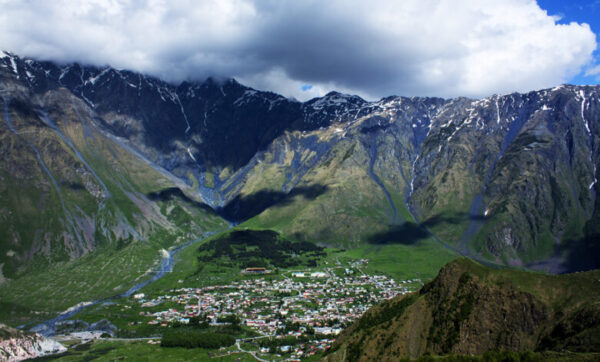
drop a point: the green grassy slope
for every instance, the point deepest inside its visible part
(349, 208)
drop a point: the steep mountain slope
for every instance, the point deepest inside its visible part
(470, 309)
(69, 188)
(509, 178)
(361, 169)
(529, 171)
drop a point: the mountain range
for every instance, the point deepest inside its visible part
(96, 158)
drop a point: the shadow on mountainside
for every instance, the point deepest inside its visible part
(407, 234)
(410, 233)
(242, 208)
(454, 218)
(575, 254)
(584, 253)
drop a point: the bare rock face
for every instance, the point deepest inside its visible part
(16, 345)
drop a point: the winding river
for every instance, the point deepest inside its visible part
(48, 328)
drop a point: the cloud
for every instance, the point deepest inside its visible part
(594, 71)
(375, 48)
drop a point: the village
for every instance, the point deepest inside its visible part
(311, 305)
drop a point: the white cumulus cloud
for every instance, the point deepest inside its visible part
(373, 48)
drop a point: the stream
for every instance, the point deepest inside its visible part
(47, 328)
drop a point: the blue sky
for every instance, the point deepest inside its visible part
(580, 11)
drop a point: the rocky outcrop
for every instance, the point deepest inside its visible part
(16, 345)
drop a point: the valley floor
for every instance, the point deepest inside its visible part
(301, 314)
(296, 313)
(292, 312)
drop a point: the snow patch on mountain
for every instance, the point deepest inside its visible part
(92, 80)
(585, 122)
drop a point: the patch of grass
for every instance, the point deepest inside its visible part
(422, 260)
(193, 338)
(398, 200)
(209, 179)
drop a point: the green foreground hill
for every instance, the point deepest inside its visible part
(469, 309)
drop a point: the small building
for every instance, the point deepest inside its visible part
(254, 271)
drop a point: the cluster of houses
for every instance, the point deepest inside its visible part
(315, 303)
